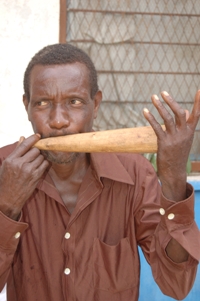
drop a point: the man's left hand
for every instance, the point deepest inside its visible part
(174, 143)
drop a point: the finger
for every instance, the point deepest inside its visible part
(41, 168)
(194, 116)
(21, 139)
(37, 162)
(153, 122)
(179, 113)
(31, 155)
(25, 145)
(164, 113)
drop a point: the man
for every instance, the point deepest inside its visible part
(71, 223)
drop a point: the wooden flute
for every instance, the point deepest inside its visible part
(131, 140)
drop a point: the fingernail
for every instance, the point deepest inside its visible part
(156, 97)
(145, 110)
(165, 93)
(21, 139)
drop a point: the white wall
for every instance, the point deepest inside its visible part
(25, 27)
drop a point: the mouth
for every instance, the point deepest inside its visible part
(51, 135)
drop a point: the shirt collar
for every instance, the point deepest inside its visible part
(103, 165)
(108, 165)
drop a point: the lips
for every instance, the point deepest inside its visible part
(56, 134)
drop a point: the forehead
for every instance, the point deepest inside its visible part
(69, 75)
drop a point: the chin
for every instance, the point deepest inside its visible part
(60, 157)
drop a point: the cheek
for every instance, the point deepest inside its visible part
(88, 119)
(38, 122)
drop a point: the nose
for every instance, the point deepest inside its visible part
(59, 117)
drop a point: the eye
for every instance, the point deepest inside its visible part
(75, 102)
(42, 103)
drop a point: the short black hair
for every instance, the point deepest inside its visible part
(60, 54)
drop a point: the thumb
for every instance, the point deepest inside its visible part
(187, 114)
(194, 116)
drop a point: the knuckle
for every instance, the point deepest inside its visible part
(157, 127)
(9, 163)
(169, 119)
(28, 144)
(24, 144)
(182, 113)
(41, 157)
(35, 151)
(25, 170)
(36, 175)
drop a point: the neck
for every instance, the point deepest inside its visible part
(76, 168)
(68, 178)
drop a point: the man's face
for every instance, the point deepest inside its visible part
(60, 103)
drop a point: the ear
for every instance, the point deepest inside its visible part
(97, 101)
(25, 101)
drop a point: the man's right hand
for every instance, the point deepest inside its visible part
(19, 175)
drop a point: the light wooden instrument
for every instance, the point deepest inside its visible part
(129, 140)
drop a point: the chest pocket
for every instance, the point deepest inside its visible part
(114, 267)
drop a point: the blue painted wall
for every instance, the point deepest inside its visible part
(149, 291)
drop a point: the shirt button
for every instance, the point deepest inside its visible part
(67, 271)
(67, 235)
(162, 211)
(17, 235)
(171, 216)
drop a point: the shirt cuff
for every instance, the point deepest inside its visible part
(10, 232)
(178, 219)
(178, 214)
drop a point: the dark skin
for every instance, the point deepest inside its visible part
(60, 104)
(174, 145)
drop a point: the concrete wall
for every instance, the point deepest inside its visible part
(25, 27)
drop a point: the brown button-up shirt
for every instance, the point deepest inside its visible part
(92, 254)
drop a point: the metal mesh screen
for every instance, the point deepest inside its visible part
(139, 48)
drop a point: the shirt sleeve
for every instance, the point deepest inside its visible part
(176, 221)
(10, 232)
